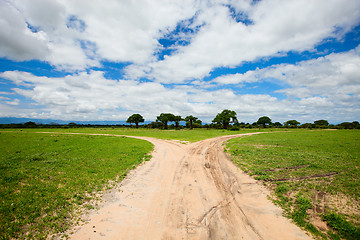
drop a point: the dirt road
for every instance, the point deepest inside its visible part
(188, 191)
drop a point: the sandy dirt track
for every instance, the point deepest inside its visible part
(188, 191)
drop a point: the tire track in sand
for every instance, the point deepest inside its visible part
(188, 192)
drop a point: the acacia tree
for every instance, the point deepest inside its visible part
(225, 118)
(177, 119)
(165, 118)
(135, 118)
(263, 121)
(190, 119)
(324, 123)
(30, 124)
(277, 124)
(292, 123)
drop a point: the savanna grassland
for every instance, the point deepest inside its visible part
(47, 175)
(314, 176)
(48, 178)
(44, 178)
(185, 135)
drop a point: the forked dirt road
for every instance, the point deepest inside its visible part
(188, 191)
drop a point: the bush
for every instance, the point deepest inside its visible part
(234, 128)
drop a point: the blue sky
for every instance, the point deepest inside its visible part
(86, 60)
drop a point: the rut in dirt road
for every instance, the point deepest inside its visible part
(188, 192)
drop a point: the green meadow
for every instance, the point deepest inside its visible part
(186, 135)
(46, 177)
(312, 174)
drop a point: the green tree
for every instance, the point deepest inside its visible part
(190, 119)
(30, 124)
(278, 124)
(349, 125)
(323, 123)
(165, 118)
(265, 120)
(177, 119)
(307, 125)
(197, 123)
(225, 118)
(135, 118)
(156, 124)
(292, 123)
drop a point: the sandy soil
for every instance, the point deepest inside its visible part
(188, 191)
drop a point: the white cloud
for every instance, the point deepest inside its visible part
(128, 30)
(238, 78)
(325, 85)
(334, 76)
(91, 96)
(77, 35)
(336, 71)
(118, 30)
(69, 56)
(37, 30)
(61, 32)
(85, 95)
(16, 40)
(277, 27)
(15, 102)
(5, 93)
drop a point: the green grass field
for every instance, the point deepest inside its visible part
(313, 174)
(46, 177)
(181, 135)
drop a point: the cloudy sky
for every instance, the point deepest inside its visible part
(105, 60)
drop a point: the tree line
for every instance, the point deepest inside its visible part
(227, 119)
(164, 118)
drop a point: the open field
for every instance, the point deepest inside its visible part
(315, 176)
(181, 135)
(45, 177)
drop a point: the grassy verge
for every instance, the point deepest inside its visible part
(181, 135)
(314, 176)
(44, 178)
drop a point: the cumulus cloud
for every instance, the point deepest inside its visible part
(78, 36)
(223, 33)
(17, 41)
(327, 84)
(61, 31)
(92, 96)
(334, 75)
(37, 30)
(273, 28)
(238, 78)
(128, 30)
